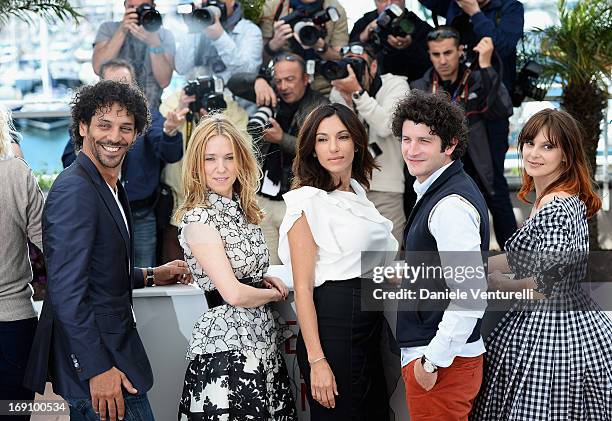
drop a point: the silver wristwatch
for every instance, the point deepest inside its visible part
(428, 366)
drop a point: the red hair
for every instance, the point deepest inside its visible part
(563, 131)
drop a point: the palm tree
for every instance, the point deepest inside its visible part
(252, 9)
(26, 10)
(578, 50)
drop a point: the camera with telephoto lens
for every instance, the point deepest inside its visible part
(260, 121)
(198, 18)
(149, 18)
(338, 69)
(309, 27)
(525, 85)
(208, 93)
(391, 21)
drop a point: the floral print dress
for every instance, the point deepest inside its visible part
(236, 370)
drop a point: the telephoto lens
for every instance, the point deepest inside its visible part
(259, 122)
(149, 18)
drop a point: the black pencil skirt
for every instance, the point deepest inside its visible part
(351, 341)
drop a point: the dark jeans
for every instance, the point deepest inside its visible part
(144, 237)
(137, 408)
(15, 342)
(500, 205)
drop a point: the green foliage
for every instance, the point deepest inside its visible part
(27, 10)
(45, 181)
(579, 48)
(252, 9)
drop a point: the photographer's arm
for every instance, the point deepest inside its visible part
(163, 63)
(184, 60)
(498, 104)
(244, 56)
(108, 44)
(379, 115)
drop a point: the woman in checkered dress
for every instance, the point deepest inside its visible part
(549, 359)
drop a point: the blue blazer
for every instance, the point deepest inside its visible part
(87, 325)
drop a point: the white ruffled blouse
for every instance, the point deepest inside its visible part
(343, 225)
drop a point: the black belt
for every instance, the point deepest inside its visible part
(277, 198)
(143, 203)
(214, 298)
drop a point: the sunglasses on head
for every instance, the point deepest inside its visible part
(357, 49)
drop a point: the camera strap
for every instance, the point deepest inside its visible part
(461, 93)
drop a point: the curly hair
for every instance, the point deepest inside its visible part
(444, 118)
(93, 98)
(306, 167)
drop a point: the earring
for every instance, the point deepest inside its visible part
(356, 150)
(314, 154)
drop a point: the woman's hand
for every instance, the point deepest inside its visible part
(323, 384)
(278, 284)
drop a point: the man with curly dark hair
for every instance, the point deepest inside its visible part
(450, 215)
(479, 90)
(86, 335)
(158, 145)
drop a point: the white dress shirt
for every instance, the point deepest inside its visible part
(343, 225)
(462, 234)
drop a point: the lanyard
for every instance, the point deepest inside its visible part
(461, 93)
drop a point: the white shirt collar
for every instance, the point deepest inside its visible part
(421, 188)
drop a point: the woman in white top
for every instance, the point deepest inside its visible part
(328, 224)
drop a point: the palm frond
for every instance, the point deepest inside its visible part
(579, 48)
(28, 10)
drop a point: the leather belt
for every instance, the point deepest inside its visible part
(214, 298)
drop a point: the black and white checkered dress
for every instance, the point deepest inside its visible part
(543, 363)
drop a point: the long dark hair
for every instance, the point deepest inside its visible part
(308, 171)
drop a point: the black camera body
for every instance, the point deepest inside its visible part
(148, 17)
(198, 18)
(260, 121)
(391, 21)
(525, 85)
(208, 91)
(338, 69)
(309, 27)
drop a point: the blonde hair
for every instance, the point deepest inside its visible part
(6, 128)
(248, 172)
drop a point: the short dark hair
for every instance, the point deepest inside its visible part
(444, 32)
(443, 117)
(308, 171)
(92, 98)
(117, 63)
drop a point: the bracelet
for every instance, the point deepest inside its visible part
(317, 360)
(156, 50)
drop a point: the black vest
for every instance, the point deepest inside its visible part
(417, 320)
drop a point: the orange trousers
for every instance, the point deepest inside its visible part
(452, 396)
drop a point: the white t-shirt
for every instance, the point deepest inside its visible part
(343, 225)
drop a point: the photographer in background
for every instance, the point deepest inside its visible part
(279, 21)
(374, 97)
(140, 40)
(141, 168)
(502, 21)
(402, 55)
(479, 90)
(226, 45)
(285, 99)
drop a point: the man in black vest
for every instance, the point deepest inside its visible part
(448, 228)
